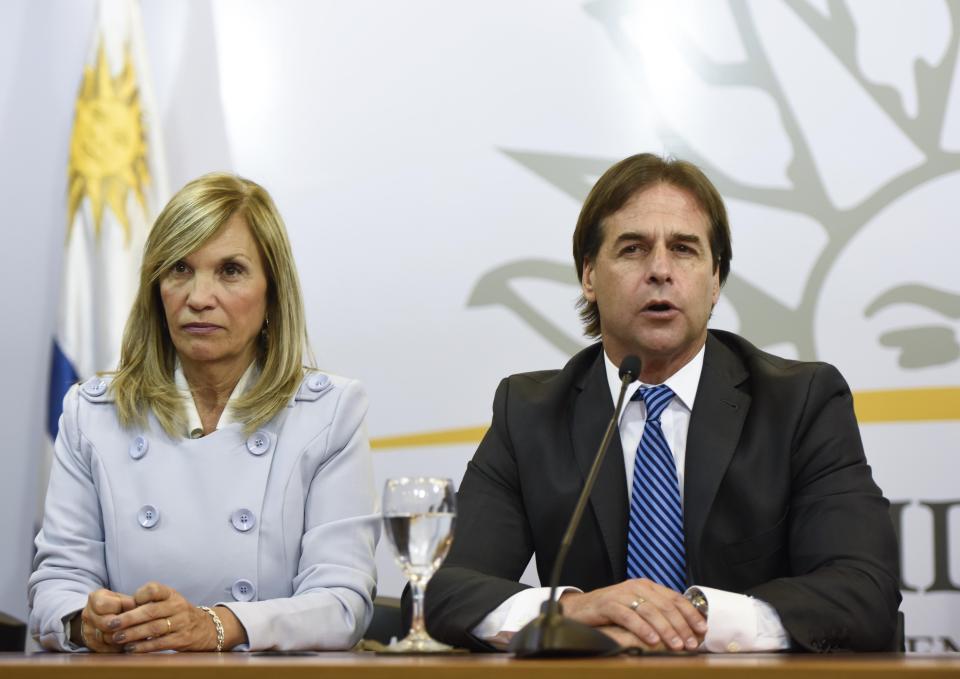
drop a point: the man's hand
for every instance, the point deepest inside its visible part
(91, 627)
(657, 617)
(162, 620)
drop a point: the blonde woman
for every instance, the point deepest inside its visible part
(213, 493)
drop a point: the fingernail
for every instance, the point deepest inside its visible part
(676, 643)
(701, 626)
(114, 624)
(652, 637)
(119, 636)
(129, 648)
(692, 643)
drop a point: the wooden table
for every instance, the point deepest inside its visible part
(368, 666)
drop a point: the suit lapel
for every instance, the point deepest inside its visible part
(715, 424)
(592, 410)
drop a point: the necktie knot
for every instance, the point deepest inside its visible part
(656, 399)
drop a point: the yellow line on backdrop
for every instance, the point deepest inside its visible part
(894, 405)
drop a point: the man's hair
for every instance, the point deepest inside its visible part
(144, 380)
(620, 183)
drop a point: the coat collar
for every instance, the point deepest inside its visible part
(592, 410)
(715, 425)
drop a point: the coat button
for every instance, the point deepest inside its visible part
(148, 516)
(243, 590)
(95, 386)
(317, 382)
(259, 443)
(139, 447)
(243, 520)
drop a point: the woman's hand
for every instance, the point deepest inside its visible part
(162, 620)
(91, 627)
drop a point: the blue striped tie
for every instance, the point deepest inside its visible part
(655, 531)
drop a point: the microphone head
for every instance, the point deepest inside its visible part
(630, 367)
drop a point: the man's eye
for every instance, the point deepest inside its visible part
(683, 248)
(630, 249)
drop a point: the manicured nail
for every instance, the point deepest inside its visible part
(119, 636)
(130, 648)
(114, 624)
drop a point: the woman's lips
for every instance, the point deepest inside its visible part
(200, 328)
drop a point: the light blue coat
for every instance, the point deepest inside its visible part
(280, 526)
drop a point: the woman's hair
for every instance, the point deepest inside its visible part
(144, 380)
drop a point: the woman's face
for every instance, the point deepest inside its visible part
(215, 299)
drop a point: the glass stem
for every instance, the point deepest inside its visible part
(418, 587)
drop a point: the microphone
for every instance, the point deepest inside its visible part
(550, 635)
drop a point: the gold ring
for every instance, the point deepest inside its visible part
(169, 626)
(635, 604)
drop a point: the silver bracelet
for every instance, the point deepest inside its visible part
(216, 621)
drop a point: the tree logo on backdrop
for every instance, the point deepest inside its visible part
(758, 90)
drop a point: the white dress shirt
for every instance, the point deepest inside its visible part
(737, 622)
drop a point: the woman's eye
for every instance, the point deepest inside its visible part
(232, 270)
(179, 267)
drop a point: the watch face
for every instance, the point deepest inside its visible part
(696, 597)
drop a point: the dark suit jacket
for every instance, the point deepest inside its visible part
(779, 502)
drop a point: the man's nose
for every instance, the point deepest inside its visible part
(659, 264)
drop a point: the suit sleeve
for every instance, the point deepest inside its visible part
(492, 545)
(842, 593)
(332, 603)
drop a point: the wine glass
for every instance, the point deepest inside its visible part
(419, 515)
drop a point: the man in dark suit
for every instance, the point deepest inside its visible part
(780, 530)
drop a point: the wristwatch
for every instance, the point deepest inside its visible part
(699, 600)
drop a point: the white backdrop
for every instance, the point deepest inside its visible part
(430, 158)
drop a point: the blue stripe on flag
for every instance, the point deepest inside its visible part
(62, 377)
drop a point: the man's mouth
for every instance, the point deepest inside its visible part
(660, 308)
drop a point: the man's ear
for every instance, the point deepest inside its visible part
(586, 281)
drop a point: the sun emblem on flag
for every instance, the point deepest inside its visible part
(108, 148)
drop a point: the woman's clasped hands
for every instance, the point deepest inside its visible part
(155, 618)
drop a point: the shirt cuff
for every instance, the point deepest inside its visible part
(500, 624)
(738, 623)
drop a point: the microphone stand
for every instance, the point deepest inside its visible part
(550, 634)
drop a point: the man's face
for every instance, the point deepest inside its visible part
(654, 281)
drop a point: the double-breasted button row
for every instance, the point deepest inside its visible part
(242, 519)
(257, 444)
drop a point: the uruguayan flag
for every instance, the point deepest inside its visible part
(116, 182)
